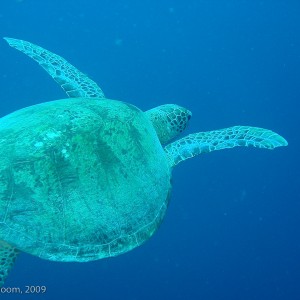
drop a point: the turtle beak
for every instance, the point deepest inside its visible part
(189, 114)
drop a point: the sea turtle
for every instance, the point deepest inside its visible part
(87, 177)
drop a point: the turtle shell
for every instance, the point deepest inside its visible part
(80, 179)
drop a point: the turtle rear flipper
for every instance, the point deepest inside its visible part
(8, 255)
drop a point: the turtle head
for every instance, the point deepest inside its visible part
(169, 121)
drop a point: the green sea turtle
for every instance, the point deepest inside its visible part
(87, 177)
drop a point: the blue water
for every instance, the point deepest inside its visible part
(233, 225)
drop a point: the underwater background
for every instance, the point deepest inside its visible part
(232, 230)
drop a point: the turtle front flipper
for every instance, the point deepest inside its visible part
(74, 83)
(8, 255)
(204, 142)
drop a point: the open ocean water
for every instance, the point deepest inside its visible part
(232, 230)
